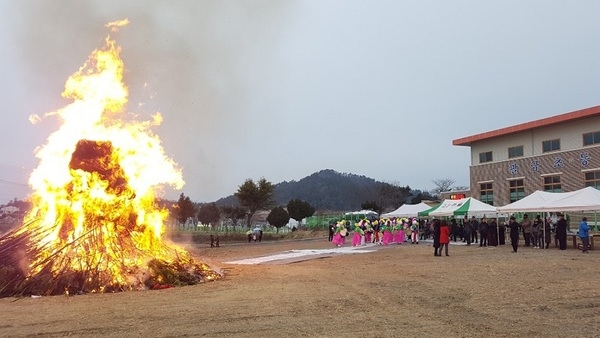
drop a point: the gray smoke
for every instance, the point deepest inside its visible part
(190, 60)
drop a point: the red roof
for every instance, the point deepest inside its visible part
(548, 121)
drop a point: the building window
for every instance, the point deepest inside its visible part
(592, 179)
(550, 145)
(485, 157)
(487, 194)
(591, 138)
(515, 151)
(517, 190)
(552, 184)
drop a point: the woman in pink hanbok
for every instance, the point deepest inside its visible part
(357, 234)
(387, 233)
(337, 235)
(400, 235)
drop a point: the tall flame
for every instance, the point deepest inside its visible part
(94, 205)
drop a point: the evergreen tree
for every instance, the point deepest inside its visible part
(299, 210)
(254, 197)
(278, 217)
(186, 208)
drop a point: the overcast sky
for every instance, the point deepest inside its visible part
(282, 89)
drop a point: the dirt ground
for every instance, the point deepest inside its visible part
(397, 291)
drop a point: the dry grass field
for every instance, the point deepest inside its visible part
(396, 291)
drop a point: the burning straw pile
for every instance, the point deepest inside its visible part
(24, 271)
(95, 225)
(108, 251)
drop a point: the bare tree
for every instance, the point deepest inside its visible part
(385, 195)
(441, 184)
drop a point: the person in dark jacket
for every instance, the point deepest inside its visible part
(331, 230)
(483, 232)
(501, 233)
(547, 233)
(474, 228)
(493, 233)
(561, 232)
(436, 237)
(467, 231)
(453, 229)
(514, 233)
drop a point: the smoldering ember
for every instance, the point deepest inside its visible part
(95, 225)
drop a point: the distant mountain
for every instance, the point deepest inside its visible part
(325, 190)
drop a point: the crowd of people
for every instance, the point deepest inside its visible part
(536, 233)
(381, 231)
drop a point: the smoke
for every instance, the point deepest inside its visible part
(193, 61)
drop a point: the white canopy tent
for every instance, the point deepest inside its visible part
(536, 201)
(464, 207)
(407, 210)
(586, 199)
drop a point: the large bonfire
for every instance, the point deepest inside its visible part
(95, 225)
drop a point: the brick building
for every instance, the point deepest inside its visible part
(559, 153)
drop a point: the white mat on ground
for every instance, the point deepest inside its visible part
(300, 253)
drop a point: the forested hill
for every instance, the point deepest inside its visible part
(325, 190)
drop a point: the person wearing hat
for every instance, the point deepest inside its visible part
(561, 231)
(514, 233)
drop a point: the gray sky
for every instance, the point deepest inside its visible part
(281, 89)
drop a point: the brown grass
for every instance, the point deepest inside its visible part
(398, 291)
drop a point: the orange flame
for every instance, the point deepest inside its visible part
(115, 25)
(96, 180)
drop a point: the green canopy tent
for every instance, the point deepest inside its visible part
(463, 207)
(425, 213)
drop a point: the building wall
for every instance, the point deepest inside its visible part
(570, 165)
(569, 133)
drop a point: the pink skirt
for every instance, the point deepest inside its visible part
(400, 237)
(356, 239)
(387, 237)
(367, 237)
(337, 239)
